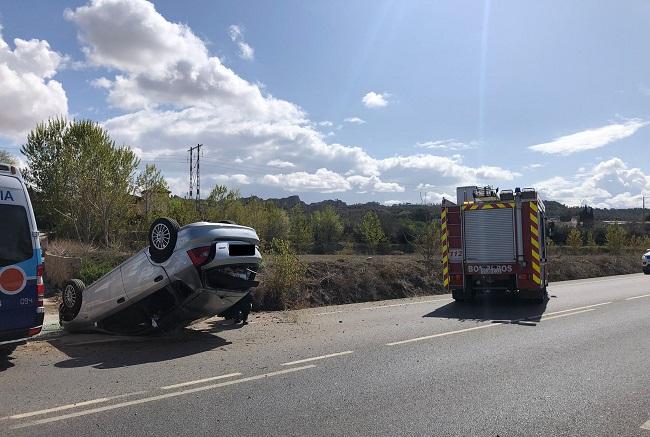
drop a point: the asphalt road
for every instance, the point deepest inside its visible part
(578, 365)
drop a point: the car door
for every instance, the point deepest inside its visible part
(141, 277)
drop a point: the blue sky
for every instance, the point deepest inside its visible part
(549, 94)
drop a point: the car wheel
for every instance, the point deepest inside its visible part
(72, 297)
(162, 238)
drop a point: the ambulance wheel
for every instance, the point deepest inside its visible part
(72, 296)
(162, 238)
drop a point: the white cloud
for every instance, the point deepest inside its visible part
(355, 120)
(450, 144)
(373, 184)
(323, 180)
(608, 184)
(325, 123)
(237, 36)
(392, 202)
(101, 82)
(590, 138)
(448, 167)
(280, 164)
(171, 98)
(375, 100)
(236, 179)
(28, 94)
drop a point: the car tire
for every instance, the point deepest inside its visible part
(162, 238)
(72, 297)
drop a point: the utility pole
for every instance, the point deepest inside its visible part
(198, 173)
(643, 198)
(195, 174)
(191, 149)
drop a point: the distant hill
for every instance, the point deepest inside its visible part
(420, 212)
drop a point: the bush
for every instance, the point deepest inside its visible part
(284, 277)
(616, 238)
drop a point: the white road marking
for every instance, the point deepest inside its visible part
(566, 314)
(159, 397)
(322, 357)
(69, 406)
(328, 312)
(646, 426)
(575, 309)
(638, 297)
(427, 337)
(199, 381)
(405, 303)
(569, 312)
(575, 282)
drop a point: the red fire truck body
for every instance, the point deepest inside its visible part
(494, 241)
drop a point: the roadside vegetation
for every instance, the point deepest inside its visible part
(96, 203)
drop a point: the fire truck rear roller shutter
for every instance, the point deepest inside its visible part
(489, 235)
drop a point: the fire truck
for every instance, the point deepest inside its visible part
(494, 240)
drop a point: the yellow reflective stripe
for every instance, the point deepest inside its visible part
(533, 218)
(534, 242)
(445, 271)
(488, 206)
(533, 206)
(443, 214)
(475, 206)
(501, 205)
(537, 268)
(537, 279)
(536, 255)
(534, 231)
(445, 248)
(446, 282)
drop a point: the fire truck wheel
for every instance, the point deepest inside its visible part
(458, 295)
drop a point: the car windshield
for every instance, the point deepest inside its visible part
(15, 246)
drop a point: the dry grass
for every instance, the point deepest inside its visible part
(342, 279)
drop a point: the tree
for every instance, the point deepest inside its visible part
(591, 240)
(7, 158)
(327, 226)
(428, 242)
(154, 191)
(300, 229)
(371, 231)
(616, 238)
(84, 182)
(574, 239)
(277, 223)
(182, 210)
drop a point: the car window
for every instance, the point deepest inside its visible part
(16, 242)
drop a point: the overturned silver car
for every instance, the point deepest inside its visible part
(186, 274)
